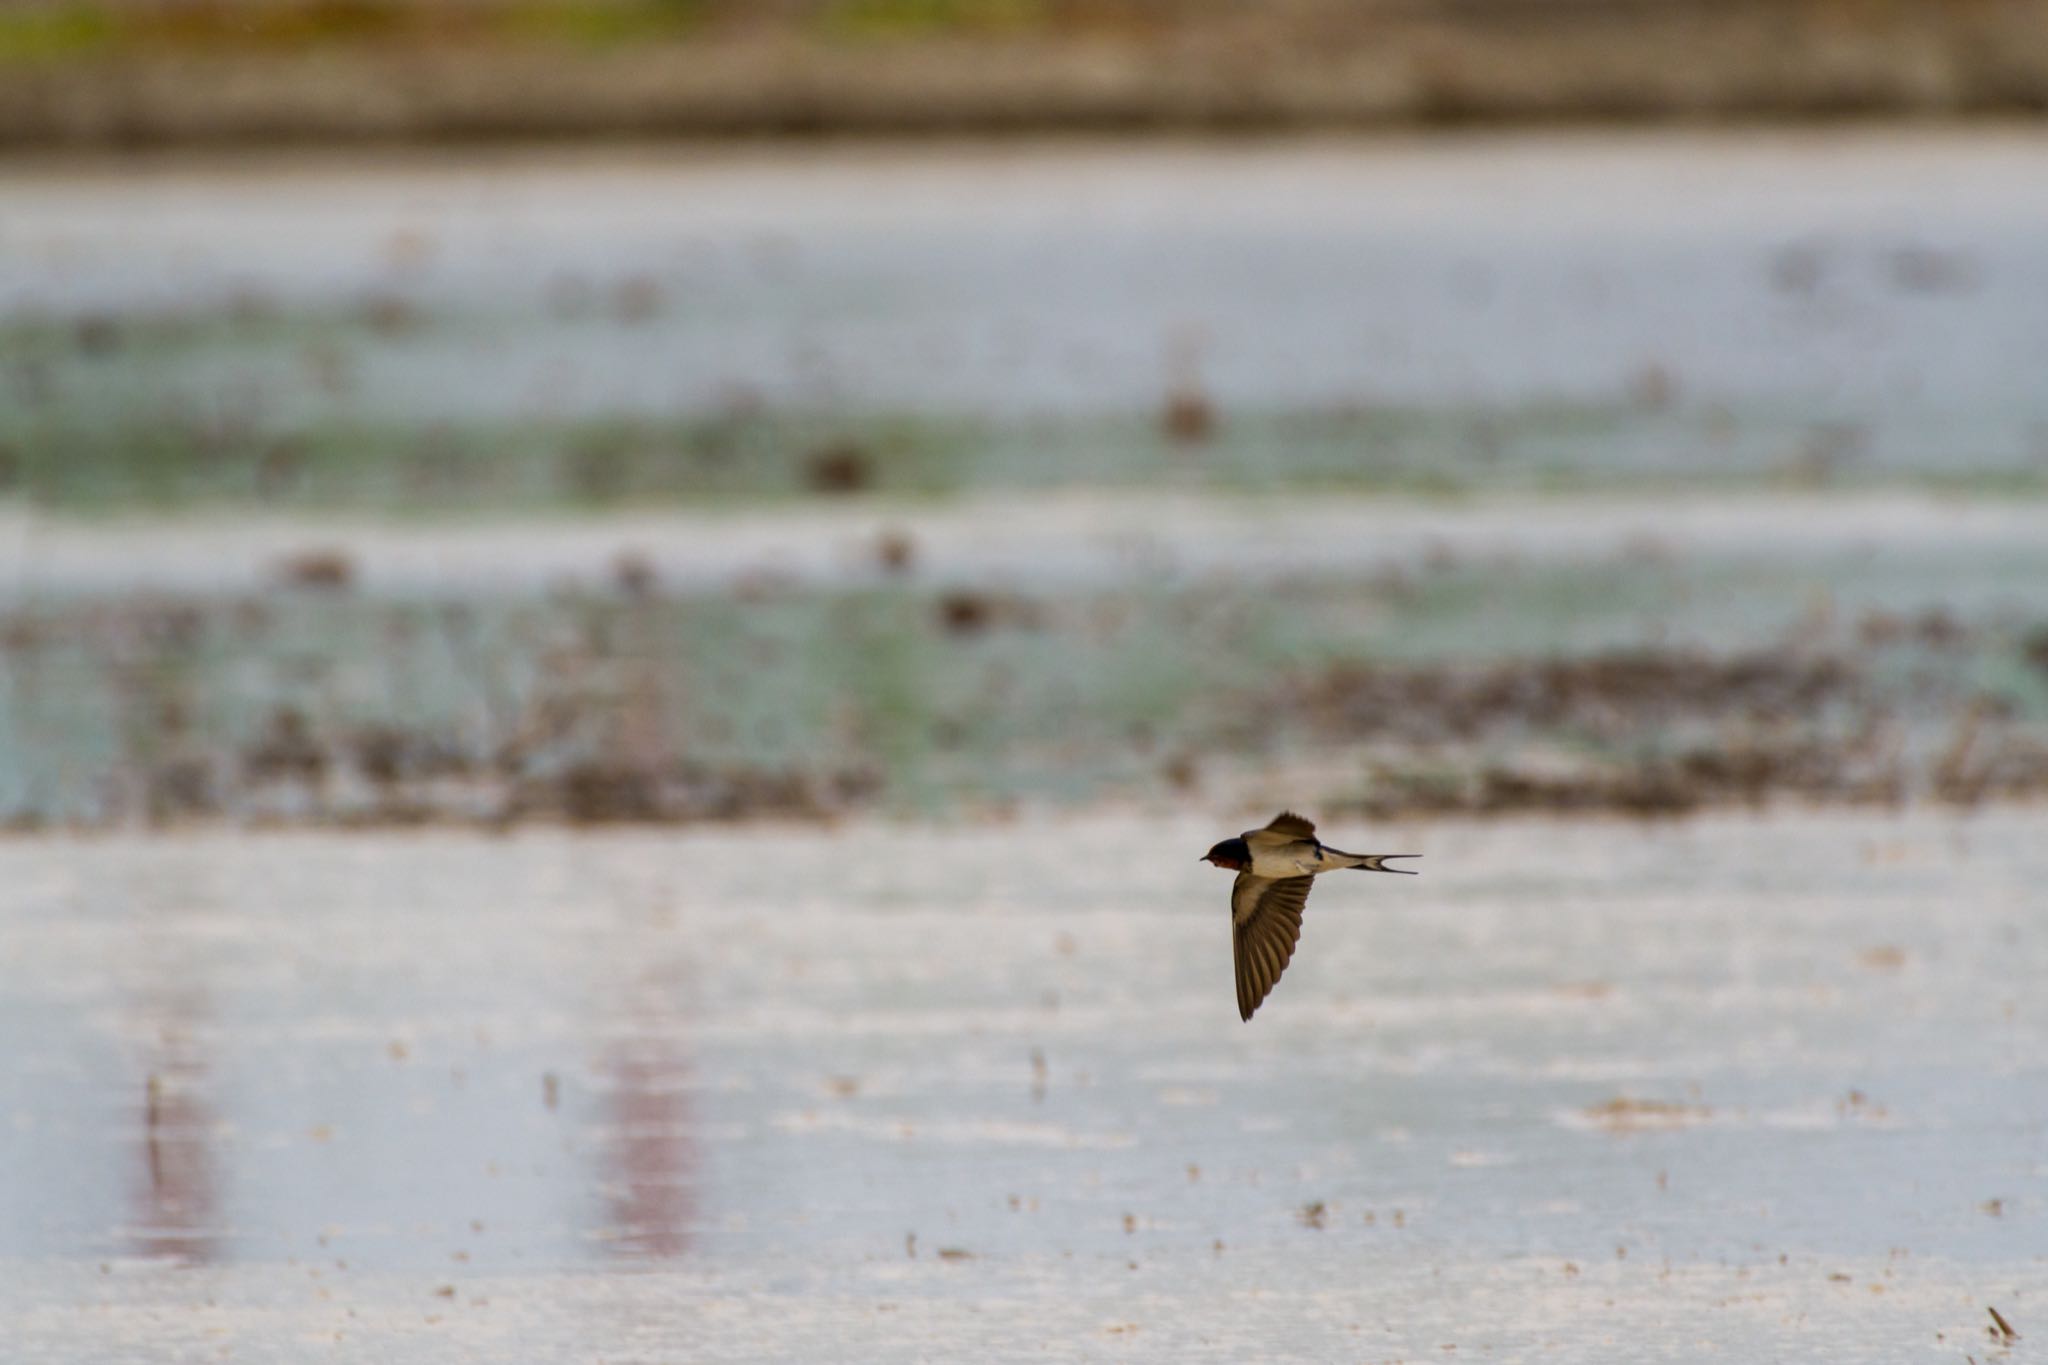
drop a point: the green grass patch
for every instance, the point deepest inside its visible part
(82, 31)
(931, 18)
(55, 35)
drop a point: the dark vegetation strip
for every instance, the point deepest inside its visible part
(121, 72)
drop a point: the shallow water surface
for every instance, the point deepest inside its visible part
(1760, 1086)
(1525, 312)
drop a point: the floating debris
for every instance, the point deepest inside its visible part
(634, 573)
(895, 551)
(1625, 1114)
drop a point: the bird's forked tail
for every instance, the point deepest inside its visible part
(1377, 862)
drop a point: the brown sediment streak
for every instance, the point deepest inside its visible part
(651, 1162)
(176, 1204)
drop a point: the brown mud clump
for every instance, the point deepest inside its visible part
(1188, 417)
(965, 612)
(841, 467)
(317, 570)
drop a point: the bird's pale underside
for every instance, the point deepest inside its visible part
(1275, 867)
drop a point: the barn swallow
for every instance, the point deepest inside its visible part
(1275, 867)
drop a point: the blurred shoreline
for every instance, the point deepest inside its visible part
(112, 75)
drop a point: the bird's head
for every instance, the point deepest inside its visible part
(1232, 855)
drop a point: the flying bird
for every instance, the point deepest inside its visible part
(1275, 867)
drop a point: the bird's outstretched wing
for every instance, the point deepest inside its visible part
(1265, 921)
(1292, 825)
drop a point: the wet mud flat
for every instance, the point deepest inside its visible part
(892, 660)
(1732, 1085)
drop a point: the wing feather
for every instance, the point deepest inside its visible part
(1292, 825)
(1265, 915)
